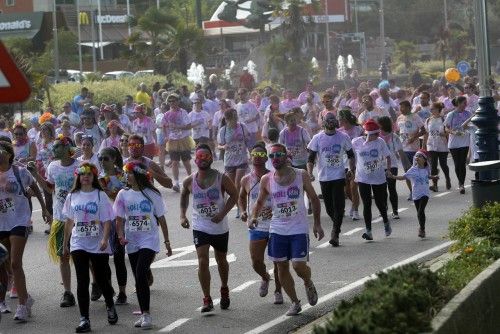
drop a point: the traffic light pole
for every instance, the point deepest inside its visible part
(79, 38)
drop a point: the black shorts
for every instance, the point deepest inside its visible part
(218, 241)
(180, 155)
(232, 169)
(20, 231)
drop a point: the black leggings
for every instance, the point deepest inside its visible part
(334, 198)
(140, 262)
(119, 260)
(380, 195)
(48, 201)
(442, 157)
(420, 205)
(102, 272)
(393, 194)
(459, 156)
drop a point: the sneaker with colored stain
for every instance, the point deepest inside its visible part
(208, 305)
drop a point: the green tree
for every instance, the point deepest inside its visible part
(185, 43)
(460, 46)
(406, 53)
(68, 48)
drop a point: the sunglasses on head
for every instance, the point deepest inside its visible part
(277, 155)
(258, 154)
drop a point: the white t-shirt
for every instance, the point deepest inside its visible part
(436, 140)
(247, 111)
(33, 134)
(331, 150)
(146, 128)
(173, 119)
(217, 119)
(7, 134)
(74, 118)
(200, 121)
(370, 158)
(419, 178)
(139, 214)
(454, 121)
(97, 136)
(394, 145)
(211, 107)
(62, 178)
(14, 206)
(236, 139)
(374, 114)
(408, 126)
(89, 211)
(296, 144)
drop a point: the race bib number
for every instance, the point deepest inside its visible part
(405, 137)
(333, 160)
(207, 210)
(87, 229)
(286, 210)
(6, 205)
(235, 147)
(371, 166)
(139, 223)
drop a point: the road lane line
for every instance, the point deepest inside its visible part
(357, 229)
(349, 287)
(37, 210)
(443, 194)
(174, 325)
(243, 286)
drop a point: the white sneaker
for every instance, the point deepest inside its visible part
(21, 313)
(264, 288)
(138, 323)
(29, 304)
(147, 322)
(278, 298)
(355, 215)
(294, 309)
(4, 308)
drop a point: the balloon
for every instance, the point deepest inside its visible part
(452, 75)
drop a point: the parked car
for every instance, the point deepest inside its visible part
(144, 73)
(115, 75)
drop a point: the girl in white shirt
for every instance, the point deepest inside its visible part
(139, 212)
(89, 213)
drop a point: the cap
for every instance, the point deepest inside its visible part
(173, 96)
(371, 127)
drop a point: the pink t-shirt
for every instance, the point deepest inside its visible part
(146, 128)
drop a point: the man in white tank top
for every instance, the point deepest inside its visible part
(289, 227)
(210, 228)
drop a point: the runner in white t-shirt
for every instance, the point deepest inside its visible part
(248, 115)
(88, 213)
(140, 213)
(201, 122)
(209, 219)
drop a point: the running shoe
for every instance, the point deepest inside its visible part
(83, 326)
(67, 299)
(208, 305)
(294, 309)
(4, 308)
(147, 321)
(29, 304)
(334, 241)
(13, 292)
(367, 235)
(224, 298)
(388, 229)
(176, 188)
(395, 215)
(264, 288)
(309, 211)
(421, 233)
(138, 323)
(112, 315)
(462, 189)
(355, 215)
(448, 184)
(21, 313)
(312, 294)
(350, 212)
(95, 293)
(121, 299)
(278, 298)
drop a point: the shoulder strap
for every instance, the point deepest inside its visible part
(15, 169)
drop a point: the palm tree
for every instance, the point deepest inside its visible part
(186, 42)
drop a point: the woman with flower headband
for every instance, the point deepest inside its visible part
(88, 154)
(139, 211)
(24, 148)
(60, 179)
(88, 213)
(113, 135)
(112, 180)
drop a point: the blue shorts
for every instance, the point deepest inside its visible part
(293, 247)
(255, 235)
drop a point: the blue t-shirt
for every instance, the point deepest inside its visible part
(75, 106)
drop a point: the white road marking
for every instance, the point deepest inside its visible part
(467, 186)
(357, 229)
(37, 210)
(165, 263)
(351, 286)
(174, 325)
(443, 194)
(243, 286)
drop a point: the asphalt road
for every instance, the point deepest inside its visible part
(176, 295)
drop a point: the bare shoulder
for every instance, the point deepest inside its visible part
(186, 183)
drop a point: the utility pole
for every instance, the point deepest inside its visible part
(158, 4)
(56, 42)
(328, 54)
(382, 32)
(445, 5)
(92, 32)
(128, 22)
(79, 38)
(356, 14)
(198, 13)
(99, 15)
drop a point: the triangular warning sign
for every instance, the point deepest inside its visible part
(13, 84)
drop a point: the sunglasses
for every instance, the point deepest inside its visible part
(277, 155)
(106, 159)
(258, 154)
(135, 145)
(203, 156)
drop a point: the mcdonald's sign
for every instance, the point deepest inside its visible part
(83, 18)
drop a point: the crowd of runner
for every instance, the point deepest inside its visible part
(96, 172)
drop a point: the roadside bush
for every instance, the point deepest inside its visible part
(403, 300)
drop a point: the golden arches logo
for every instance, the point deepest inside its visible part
(84, 18)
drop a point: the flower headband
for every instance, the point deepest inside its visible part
(133, 167)
(19, 124)
(64, 140)
(86, 169)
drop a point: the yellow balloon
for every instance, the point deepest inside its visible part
(452, 75)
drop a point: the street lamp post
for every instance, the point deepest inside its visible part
(487, 187)
(56, 42)
(328, 54)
